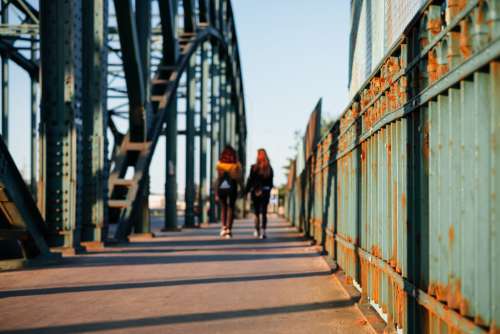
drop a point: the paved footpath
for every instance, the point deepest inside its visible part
(188, 282)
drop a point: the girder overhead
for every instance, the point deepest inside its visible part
(119, 66)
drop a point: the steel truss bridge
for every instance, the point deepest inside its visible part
(114, 77)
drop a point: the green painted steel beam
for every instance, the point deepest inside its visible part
(189, 16)
(143, 17)
(143, 21)
(34, 128)
(94, 187)
(168, 14)
(222, 104)
(170, 223)
(203, 133)
(61, 121)
(6, 48)
(214, 8)
(214, 130)
(132, 67)
(5, 82)
(190, 190)
(20, 213)
(204, 11)
(18, 30)
(27, 9)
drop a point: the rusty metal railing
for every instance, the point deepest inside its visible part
(403, 190)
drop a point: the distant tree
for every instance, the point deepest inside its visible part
(327, 123)
(288, 164)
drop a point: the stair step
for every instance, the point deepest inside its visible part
(187, 35)
(123, 182)
(131, 146)
(118, 203)
(160, 81)
(157, 98)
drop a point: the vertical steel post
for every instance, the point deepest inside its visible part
(222, 106)
(142, 222)
(230, 129)
(203, 133)
(214, 129)
(171, 168)
(168, 11)
(94, 186)
(189, 16)
(190, 190)
(34, 130)
(5, 83)
(143, 23)
(61, 120)
(132, 66)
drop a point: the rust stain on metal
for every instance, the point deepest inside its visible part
(400, 305)
(376, 251)
(442, 69)
(464, 307)
(454, 294)
(455, 7)
(465, 44)
(451, 235)
(479, 320)
(432, 65)
(434, 26)
(395, 223)
(494, 328)
(440, 291)
(403, 200)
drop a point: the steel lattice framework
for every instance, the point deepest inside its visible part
(115, 77)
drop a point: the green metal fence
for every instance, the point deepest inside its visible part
(402, 191)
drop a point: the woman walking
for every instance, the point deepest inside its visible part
(229, 174)
(260, 184)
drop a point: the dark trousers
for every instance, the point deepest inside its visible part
(227, 202)
(260, 204)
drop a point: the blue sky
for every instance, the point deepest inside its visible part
(293, 52)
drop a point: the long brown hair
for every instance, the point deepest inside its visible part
(228, 155)
(262, 165)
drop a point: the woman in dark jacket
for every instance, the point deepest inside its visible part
(260, 184)
(229, 176)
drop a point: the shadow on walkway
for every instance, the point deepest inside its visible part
(214, 242)
(111, 261)
(185, 318)
(200, 249)
(157, 284)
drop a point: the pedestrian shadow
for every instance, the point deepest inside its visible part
(157, 284)
(184, 318)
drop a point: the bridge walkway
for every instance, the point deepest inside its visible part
(187, 282)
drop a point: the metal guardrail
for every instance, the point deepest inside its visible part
(402, 191)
